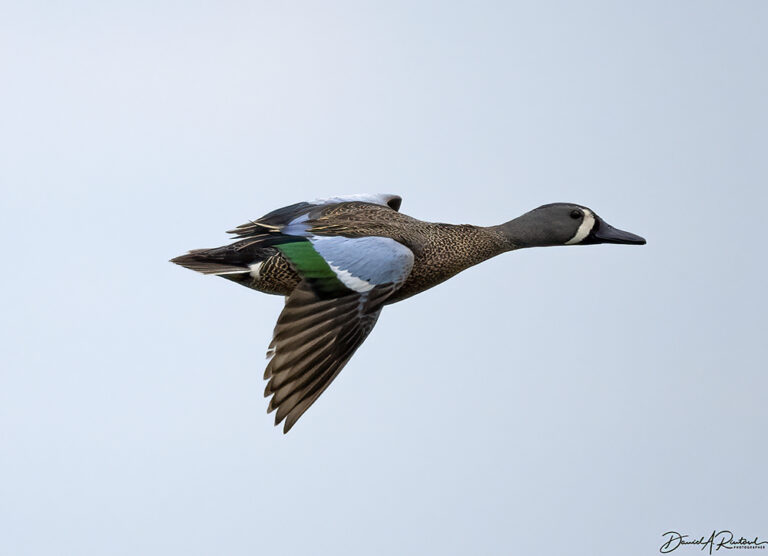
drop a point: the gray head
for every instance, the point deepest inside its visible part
(564, 224)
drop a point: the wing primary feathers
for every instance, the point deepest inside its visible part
(313, 340)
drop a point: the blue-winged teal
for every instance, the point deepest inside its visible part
(338, 261)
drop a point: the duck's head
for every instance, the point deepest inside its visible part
(564, 224)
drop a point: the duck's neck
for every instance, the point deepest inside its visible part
(465, 245)
(444, 250)
(523, 231)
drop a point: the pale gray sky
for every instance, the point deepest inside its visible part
(552, 401)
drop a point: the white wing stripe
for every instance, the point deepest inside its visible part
(352, 282)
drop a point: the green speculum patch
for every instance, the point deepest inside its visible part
(312, 267)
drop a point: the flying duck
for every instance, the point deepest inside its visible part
(338, 261)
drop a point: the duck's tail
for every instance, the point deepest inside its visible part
(256, 243)
(207, 262)
(230, 259)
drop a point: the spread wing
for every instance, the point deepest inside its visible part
(328, 316)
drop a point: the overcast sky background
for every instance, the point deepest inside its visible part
(553, 401)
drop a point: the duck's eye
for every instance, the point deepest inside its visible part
(576, 214)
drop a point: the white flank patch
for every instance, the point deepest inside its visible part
(584, 229)
(352, 282)
(255, 268)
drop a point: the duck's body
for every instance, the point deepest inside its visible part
(440, 250)
(338, 261)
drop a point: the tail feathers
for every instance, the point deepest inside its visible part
(200, 260)
(235, 258)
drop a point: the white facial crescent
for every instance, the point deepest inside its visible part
(586, 226)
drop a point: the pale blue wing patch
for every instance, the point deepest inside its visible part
(363, 263)
(297, 227)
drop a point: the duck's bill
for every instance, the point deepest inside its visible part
(605, 233)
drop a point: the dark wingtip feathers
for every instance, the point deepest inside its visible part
(279, 418)
(288, 425)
